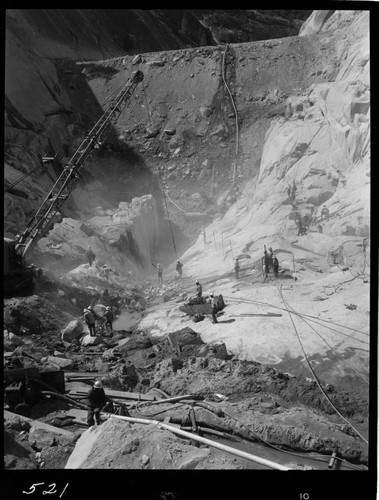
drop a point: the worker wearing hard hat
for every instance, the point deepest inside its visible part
(96, 402)
(89, 318)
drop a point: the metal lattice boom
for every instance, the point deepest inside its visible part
(70, 175)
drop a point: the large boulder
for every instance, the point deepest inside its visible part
(11, 341)
(16, 423)
(213, 350)
(72, 331)
(87, 340)
(40, 439)
(185, 336)
(62, 363)
(22, 315)
(132, 344)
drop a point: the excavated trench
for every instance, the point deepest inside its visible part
(150, 157)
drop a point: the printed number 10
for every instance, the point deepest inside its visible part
(304, 496)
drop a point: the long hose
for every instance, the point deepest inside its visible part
(315, 376)
(65, 398)
(314, 319)
(330, 347)
(209, 442)
(236, 119)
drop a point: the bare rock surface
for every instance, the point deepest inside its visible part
(142, 448)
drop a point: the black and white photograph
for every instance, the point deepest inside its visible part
(188, 280)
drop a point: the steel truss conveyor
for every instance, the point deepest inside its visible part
(70, 175)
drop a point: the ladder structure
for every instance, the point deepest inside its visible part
(41, 221)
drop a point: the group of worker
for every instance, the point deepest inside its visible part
(302, 226)
(90, 317)
(304, 222)
(270, 263)
(158, 266)
(105, 270)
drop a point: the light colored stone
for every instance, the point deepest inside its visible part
(60, 362)
(72, 331)
(87, 340)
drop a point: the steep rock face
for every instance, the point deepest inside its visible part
(322, 144)
(94, 33)
(315, 22)
(233, 26)
(125, 239)
(133, 229)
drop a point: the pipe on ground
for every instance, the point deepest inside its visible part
(171, 400)
(209, 442)
(67, 399)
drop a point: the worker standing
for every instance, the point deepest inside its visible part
(89, 317)
(237, 269)
(160, 273)
(275, 264)
(199, 289)
(90, 255)
(179, 268)
(212, 302)
(270, 258)
(266, 264)
(96, 402)
(294, 188)
(108, 318)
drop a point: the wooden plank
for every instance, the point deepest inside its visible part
(37, 424)
(80, 415)
(121, 395)
(91, 375)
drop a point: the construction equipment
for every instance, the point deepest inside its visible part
(17, 276)
(202, 307)
(22, 387)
